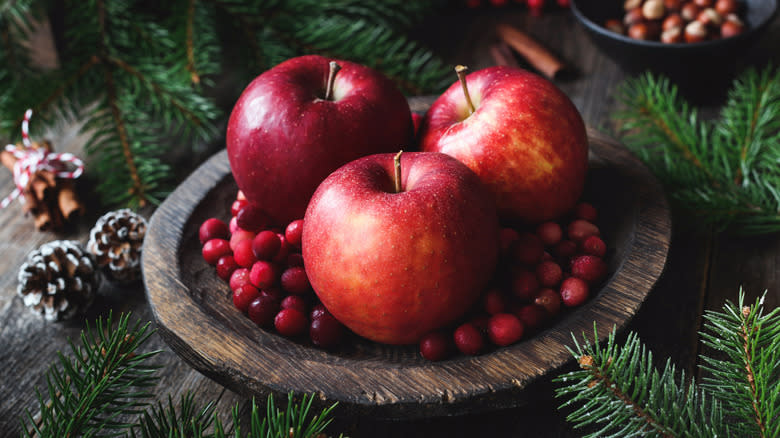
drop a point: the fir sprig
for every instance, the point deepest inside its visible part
(105, 387)
(141, 73)
(747, 379)
(619, 392)
(722, 172)
(104, 380)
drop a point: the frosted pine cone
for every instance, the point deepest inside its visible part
(58, 280)
(116, 241)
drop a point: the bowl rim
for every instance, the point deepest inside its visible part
(601, 30)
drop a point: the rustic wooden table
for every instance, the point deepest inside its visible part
(701, 272)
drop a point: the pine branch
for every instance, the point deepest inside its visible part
(620, 393)
(104, 380)
(141, 75)
(721, 172)
(747, 380)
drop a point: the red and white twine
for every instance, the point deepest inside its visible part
(30, 160)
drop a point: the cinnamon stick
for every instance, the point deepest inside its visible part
(50, 199)
(537, 55)
(502, 55)
(69, 203)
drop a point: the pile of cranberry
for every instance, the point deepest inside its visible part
(264, 268)
(540, 271)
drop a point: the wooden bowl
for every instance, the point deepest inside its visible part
(196, 317)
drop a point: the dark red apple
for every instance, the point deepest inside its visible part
(394, 263)
(285, 135)
(524, 138)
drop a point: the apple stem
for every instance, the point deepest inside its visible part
(397, 163)
(334, 68)
(461, 71)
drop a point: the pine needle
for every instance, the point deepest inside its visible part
(721, 172)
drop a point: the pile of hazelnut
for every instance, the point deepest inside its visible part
(678, 21)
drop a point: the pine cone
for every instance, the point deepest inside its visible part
(58, 280)
(116, 241)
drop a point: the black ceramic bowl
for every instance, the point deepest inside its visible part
(689, 64)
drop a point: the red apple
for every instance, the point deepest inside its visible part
(393, 264)
(525, 139)
(285, 135)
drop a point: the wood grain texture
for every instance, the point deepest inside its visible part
(196, 315)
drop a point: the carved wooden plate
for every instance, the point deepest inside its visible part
(195, 313)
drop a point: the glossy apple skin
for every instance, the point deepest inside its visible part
(395, 266)
(283, 139)
(526, 141)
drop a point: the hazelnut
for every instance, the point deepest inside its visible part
(672, 35)
(695, 32)
(672, 21)
(703, 3)
(689, 11)
(631, 4)
(653, 9)
(725, 7)
(673, 5)
(730, 28)
(638, 31)
(633, 16)
(709, 17)
(615, 26)
(735, 18)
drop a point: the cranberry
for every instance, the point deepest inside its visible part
(263, 274)
(240, 196)
(240, 277)
(239, 236)
(468, 339)
(243, 254)
(233, 225)
(251, 217)
(549, 274)
(295, 280)
(504, 329)
(528, 249)
(295, 302)
(493, 301)
(244, 295)
(266, 245)
(293, 233)
(214, 249)
(284, 249)
(508, 237)
(326, 331)
(263, 310)
(586, 211)
(317, 310)
(580, 229)
(550, 233)
(294, 259)
(532, 315)
(593, 245)
(549, 300)
(435, 346)
(524, 284)
(574, 291)
(238, 204)
(213, 228)
(290, 322)
(225, 266)
(589, 268)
